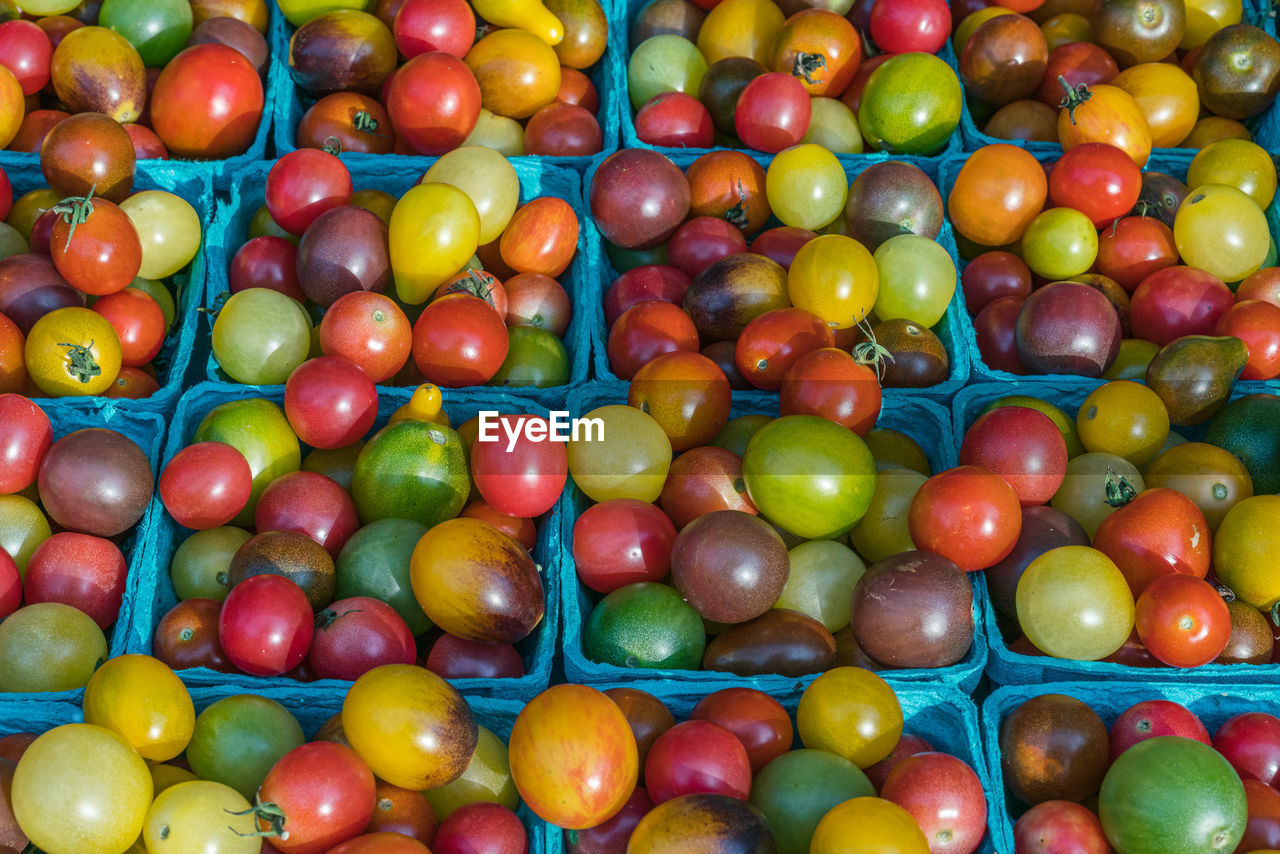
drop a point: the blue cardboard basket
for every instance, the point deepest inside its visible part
(950, 329)
(940, 714)
(1265, 128)
(1213, 704)
(38, 716)
(290, 102)
(1171, 161)
(923, 420)
(155, 593)
(313, 704)
(194, 184)
(146, 429)
(619, 56)
(396, 175)
(1007, 667)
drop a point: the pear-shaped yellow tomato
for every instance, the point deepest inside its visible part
(573, 756)
(740, 28)
(528, 15)
(81, 789)
(434, 230)
(836, 278)
(620, 452)
(141, 699)
(489, 181)
(850, 712)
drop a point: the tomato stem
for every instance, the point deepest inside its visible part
(1074, 97)
(364, 121)
(806, 64)
(737, 215)
(75, 211)
(83, 366)
(871, 352)
(1227, 594)
(1118, 489)
(1275, 614)
(266, 812)
(331, 145)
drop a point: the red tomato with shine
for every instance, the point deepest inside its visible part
(773, 112)
(1160, 532)
(369, 330)
(1021, 445)
(10, 585)
(521, 476)
(967, 514)
(1257, 324)
(541, 237)
(775, 341)
(304, 184)
(25, 435)
(1182, 620)
(80, 570)
(993, 275)
(434, 103)
(207, 103)
(268, 262)
(1134, 247)
(903, 26)
(453, 657)
(1251, 743)
(330, 402)
(27, 52)
(266, 625)
(1078, 62)
(326, 793)
(832, 384)
(459, 340)
(139, 324)
(622, 541)
(206, 485)
(697, 757)
(758, 720)
(100, 255)
(701, 242)
(944, 796)
(423, 26)
(646, 331)
(661, 282)
(308, 503)
(1178, 301)
(1097, 179)
(675, 120)
(523, 531)
(355, 635)
(1152, 718)
(1059, 827)
(481, 828)
(703, 480)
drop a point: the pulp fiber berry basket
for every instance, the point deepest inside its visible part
(290, 102)
(146, 430)
(924, 421)
(619, 57)
(313, 704)
(396, 175)
(194, 184)
(1265, 128)
(1214, 705)
(1173, 162)
(36, 716)
(156, 595)
(949, 329)
(1007, 667)
(942, 715)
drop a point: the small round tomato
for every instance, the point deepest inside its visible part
(25, 436)
(675, 120)
(1177, 301)
(1257, 324)
(187, 636)
(206, 485)
(423, 26)
(141, 699)
(454, 658)
(998, 192)
(13, 365)
(1097, 179)
(697, 757)
(207, 103)
(481, 827)
(304, 184)
(518, 468)
(330, 402)
(648, 330)
(903, 26)
(459, 340)
(702, 241)
(356, 635)
(993, 275)
(773, 342)
(833, 384)
(541, 237)
(434, 103)
(80, 570)
(686, 393)
(825, 48)
(1105, 114)
(1159, 532)
(773, 112)
(756, 719)
(26, 51)
(369, 330)
(945, 797)
(967, 514)
(1021, 445)
(348, 120)
(324, 795)
(72, 351)
(139, 324)
(703, 480)
(266, 625)
(1182, 620)
(1134, 247)
(95, 246)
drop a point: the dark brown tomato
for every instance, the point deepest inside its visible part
(95, 481)
(1004, 60)
(730, 566)
(723, 353)
(1251, 641)
(89, 152)
(1076, 62)
(15, 744)
(342, 51)
(1115, 295)
(586, 30)
(456, 658)
(732, 292)
(914, 610)
(294, 556)
(917, 357)
(729, 185)
(1137, 31)
(892, 198)
(638, 198)
(1161, 196)
(721, 86)
(645, 713)
(704, 480)
(238, 36)
(1043, 528)
(187, 636)
(1054, 747)
(1238, 71)
(343, 251)
(702, 824)
(612, 836)
(780, 641)
(31, 287)
(1194, 375)
(1029, 120)
(662, 17)
(348, 120)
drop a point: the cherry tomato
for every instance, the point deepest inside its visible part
(831, 383)
(967, 514)
(139, 324)
(1134, 247)
(702, 241)
(1182, 620)
(697, 757)
(773, 112)
(83, 571)
(13, 364)
(903, 26)
(423, 26)
(304, 184)
(945, 797)
(207, 103)
(826, 48)
(541, 237)
(1257, 324)
(434, 103)
(1107, 114)
(1097, 179)
(206, 485)
(455, 658)
(356, 635)
(459, 340)
(648, 330)
(330, 402)
(1251, 743)
(25, 436)
(95, 246)
(756, 719)
(1177, 301)
(1021, 445)
(1160, 532)
(999, 191)
(187, 636)
(993, 275)
(773, 342)
(266, 625)
(516, 472)
(324, 793)
(369, 330)
(10, 585)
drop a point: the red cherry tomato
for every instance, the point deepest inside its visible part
(1134, 247)
(1021, 445)
(831, 383)
(423, 26)
(660, 282)
(1251, 743)
(541, 237)
(207, 103)
(782, 243)
(370, 331)
(516, 472)
(10, 585)
(1097, 179)
(773, 112)
(309, 503)
(27, 52)
(206, 485)
(139, 324)
(993, 275)
(758, 720)
(95, 247)
(622, 541)
(903, 26)
(697, 757)
(944, 796)
(1178, 301)
(995, 333)
(1182, 620)
(355, 635)
(459, 340)
(434, 103)
(266, 625)
(646, 331)
(453, 657)
(701, 242)
(1257, 324)
(304, 184)
(704, 480)
(481, 828)
(25, 435)
(967, 514)
(773, 342)
(1159, 532)
(675, 120)
(80, 570)
(326, 794)
(1152, 718)
(1060, 826)
(330, 402)
(267, 262)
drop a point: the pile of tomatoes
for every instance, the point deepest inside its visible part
(181, 79)
(145, 772)
(1162, 74)
(1109, 537)
(427, 76)
(727, 778)
(68, 513)
(725, 72)
(1119, 273)
(333, 564)
(855, 304)
(1160, 781)
(455, 273)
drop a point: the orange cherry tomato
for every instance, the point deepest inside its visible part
(1105, 114)
(541, 237)
(999, 190)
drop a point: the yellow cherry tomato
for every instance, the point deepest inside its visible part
(1213, 128)
(1124, 418)
(1206, 17)
(169, 229)
(489, 181)
(200, 815)
(628, 457)
(142, 700)
(1073, 602)
(23, 526)
(1222, 231)
(1246, 551)
(852, 713)
(836, 278)
(165, 776)
(1083, 494)
(518, 72)
(434, 230)
(740, 28)
(500, 133)
(1168, 98)
(81, 789)
(1212, 477)
(72, 352)
(12, 107)
(868, 826)
(806, 186)
(1237, 163)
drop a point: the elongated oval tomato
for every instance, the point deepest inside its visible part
(1105, 114)
(434, 230)
(541, 237)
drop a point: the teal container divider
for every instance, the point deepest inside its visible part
(156, 596)
(396, 175)
(942, 715)
(926, 422)
(950, 329)
(37, 716)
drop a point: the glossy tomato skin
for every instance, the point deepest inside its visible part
(1023, 446)
(1159, 532)
(1257, 324)
(187, 636)
(1152, 718)
(1178, 301)
(326, 792)
(541, 237)
(25, 436)
(1251, 743)
(356, 635)
(1059, 827)
(481, 828)
(662, 282)
(612, 836)
(453, 657)
(139, 324)
(1109, 115)
(563, 130)
(207, 103)
(304, 184)
(26, 51)
(945, 797)
(701, 242)
(265, 626)
(622, 541)
(831, 383)
(773, 342)
(1133, 248)
(10, 585)
(758, 720)
(648, 330)
(993, 275)
(1182, 620)
(206, 485)
(330, 402)
(995, 333)
(459, 340)
(697, 757)
(967, 514)
(423, 26)
(1078, 62)
(999, 190)
(308, 503)
(101, 255)
(370, 330)
(773, 112)
(267, 261)
(675, 120)
(434, 103)
(524, 477)
(80, 570)
(1097, 179)
(902, 26)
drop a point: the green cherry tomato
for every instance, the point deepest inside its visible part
(798, 788)
(645, 625)
(375, 563)
(237, 739)
(917, 279)
(911, 105)
(1060, 243)
(1074, 603)
(664, 63)
(535, 357)
(158, 29)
